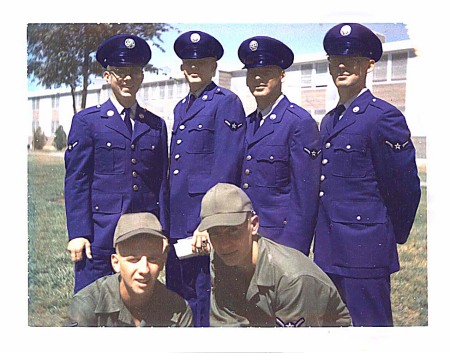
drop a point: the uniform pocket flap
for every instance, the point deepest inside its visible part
(350, 143)
(109, 141)
(358, 212)
(107, 203)
(202, 123)
(273, 153)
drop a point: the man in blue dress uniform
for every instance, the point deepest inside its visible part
(370, 190)
(116, 161)
(206, 148)
(281, 167)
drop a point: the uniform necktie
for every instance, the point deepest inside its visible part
(191, 100)
(337, 113)
(127, 119)
(257, 122)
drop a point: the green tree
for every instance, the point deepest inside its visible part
(60, 140)
(64, 54)
(39, 139)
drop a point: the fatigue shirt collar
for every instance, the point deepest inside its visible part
(110, 300)
(264, 272)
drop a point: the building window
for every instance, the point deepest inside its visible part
(55, 102)
(35, 103)
(380, 71)
(399, 64)
(306, 75)
(321, 78)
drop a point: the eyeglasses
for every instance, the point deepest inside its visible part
(347, 61)
(122, 72)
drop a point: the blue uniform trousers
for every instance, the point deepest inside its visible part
(191, 279)
(368, 299)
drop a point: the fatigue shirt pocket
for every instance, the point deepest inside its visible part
(272, 166)
(201, 135)
(350, 157)
(109, 154)
(359, 234)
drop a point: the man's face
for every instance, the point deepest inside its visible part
(199, 72)
(265, 81)
(139, 261)
(233, 244)
(125, 81)
(349, 71)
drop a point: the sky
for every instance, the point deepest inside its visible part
(300, 37)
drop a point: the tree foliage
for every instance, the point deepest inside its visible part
(60, 140)
(64, 54)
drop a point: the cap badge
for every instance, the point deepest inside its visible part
(129, 43)
(253, 45)
(346, 30)
(195, 37)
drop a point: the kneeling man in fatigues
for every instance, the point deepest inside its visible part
(257, 282)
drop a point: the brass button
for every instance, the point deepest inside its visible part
(177, 156)
(245, 186)
(133, 160)
(327, 145)
(247, 171)
(322, 177)
(135, 187)
(249, 157)
(134, 173)
(133, 147)
(324, 161)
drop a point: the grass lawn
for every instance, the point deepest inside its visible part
(50, 279)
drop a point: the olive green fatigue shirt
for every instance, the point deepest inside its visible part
(287, 289)
(100, 304)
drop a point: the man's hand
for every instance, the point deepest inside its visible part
(76, 247)
(201, 243)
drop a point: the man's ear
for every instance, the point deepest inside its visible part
(371, 65)
(115, 262)
(254, 223)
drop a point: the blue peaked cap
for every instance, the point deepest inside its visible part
(123, 50)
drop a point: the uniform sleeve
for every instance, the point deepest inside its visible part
(395, 165)
(229, 141)
(164, 191)
(77, 185)
(305, 178)
(307, 301)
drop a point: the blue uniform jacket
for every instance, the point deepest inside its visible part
(207, 147)
(281, 173)
(109, 172)
(370, 190)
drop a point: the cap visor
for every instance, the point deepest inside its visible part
(220, 220)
